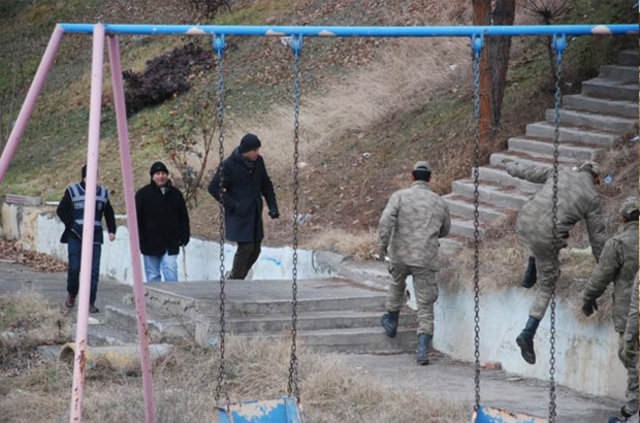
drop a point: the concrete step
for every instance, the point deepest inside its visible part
(360, 340)
(160, 299)
(497, 174)
(464, 207)
(534, 147)
(609, 88)
(594, 120)
(601, 105)
(464, 227)
(496, 159)
(591, 137)
(628, 57)
(160, 328)
(489, 193)
(620, 73)
(103, 334)
(315, 321)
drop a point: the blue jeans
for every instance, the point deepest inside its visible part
(74, 248)
(167, 264)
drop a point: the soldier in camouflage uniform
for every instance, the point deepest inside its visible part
(619, 264)
(577, 200)
(410, 225)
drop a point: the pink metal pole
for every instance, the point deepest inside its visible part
(93, 151)
(132, 223)
(30, 100)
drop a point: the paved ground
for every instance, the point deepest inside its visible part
(443, 378)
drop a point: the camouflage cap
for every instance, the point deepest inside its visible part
(422, 166)
(591, 167)
(628, 206)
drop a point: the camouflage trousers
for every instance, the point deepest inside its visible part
(548, 270)
(631, 364)
(425, 288)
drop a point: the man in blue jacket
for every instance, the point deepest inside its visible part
(239, 184)
(163, 225)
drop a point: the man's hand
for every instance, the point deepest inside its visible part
(112, 236)
(588, 307)
(274, 214)
(380, 255)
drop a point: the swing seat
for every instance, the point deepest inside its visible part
(284, 410)
(497, 415)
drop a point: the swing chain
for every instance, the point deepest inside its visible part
(477, 42)
(559, 44)
(292, 387)
(219, 45)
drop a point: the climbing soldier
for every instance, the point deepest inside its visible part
(619, 264)
(577, 200)
(411, 224)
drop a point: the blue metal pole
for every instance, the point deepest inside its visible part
(359, 31)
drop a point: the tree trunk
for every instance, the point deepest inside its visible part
(482, 16)
(503, 14)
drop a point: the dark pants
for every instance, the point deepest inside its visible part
(74, 248)
(246, 254)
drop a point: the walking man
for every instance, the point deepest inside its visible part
(619, 264)
(577, 200)
(239, 184)
(409, 228)
(71, 212)
(163, 225)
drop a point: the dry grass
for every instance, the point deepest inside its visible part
(185, 382)
(360, 245)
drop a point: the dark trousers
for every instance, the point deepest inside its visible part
(74, 247)
(246, 254)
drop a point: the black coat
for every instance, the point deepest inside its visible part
(163, 220)
(244, 185)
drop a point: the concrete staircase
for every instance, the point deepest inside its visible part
(591, 122)
(333, 315)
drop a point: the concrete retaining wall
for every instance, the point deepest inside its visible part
(39, 229)
(586, 353)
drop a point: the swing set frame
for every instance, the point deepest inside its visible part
(111, 32)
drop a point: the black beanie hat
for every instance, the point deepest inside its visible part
(158, 167)
(84, 171)
(249, 142)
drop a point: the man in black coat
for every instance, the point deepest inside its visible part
(243, 184)
(163, 225)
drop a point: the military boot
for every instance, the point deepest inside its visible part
(389, 322)
(525, 340)
(530, 275)
(424, 346)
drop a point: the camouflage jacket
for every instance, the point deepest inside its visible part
(411, 224)
(577, 200)
(618, 264)
(631, 330)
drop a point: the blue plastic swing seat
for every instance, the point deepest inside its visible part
(284, 410)
(497, 415)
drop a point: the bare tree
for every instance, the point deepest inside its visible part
(188, 141)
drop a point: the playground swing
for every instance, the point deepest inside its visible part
(286, 409)
(489, 414)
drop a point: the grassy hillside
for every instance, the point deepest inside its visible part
(369, 108)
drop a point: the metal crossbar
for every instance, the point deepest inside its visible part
(358, 31)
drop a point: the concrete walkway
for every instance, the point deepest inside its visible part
(444, 378)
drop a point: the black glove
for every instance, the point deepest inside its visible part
(588, 307)
(273, 213)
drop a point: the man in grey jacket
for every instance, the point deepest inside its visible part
(577, 200)
(410, 226)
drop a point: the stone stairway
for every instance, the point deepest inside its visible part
(333, 315)
(591, 122)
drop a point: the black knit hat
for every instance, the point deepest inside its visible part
(83, 172)
(249, 142)
(158, 167)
